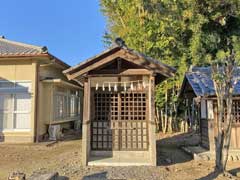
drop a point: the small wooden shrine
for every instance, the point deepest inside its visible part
(198, 93)
(118, 120)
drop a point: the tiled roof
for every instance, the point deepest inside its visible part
(12, 48)
(200, 79)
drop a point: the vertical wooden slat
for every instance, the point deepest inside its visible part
(125, 135)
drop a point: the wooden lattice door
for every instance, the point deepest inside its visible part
(120, 121)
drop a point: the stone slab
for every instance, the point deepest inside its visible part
(118, 161)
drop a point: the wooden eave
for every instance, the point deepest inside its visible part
(58, 61)
(39, 57)
(61, 82)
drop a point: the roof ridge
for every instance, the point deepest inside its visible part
(42, 49)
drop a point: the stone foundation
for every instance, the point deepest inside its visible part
(16, 137)
(200, 153)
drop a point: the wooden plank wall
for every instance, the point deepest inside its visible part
(208, 128)
(235, 137)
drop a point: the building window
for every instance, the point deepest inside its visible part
(66, 105)
(15, 106)
(60, 106)
(74, 105)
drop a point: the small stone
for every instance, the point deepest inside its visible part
(17, 175)
(167, 168)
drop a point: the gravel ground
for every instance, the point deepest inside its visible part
(64, 157)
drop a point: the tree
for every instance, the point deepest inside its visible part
(155, 28)
(218, 42)
(223, 75)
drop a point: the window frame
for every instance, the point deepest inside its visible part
(13, 112)
(69, 105)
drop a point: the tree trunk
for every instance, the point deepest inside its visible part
(227, 132)
(174, 109)
(224, 135)
(166, 113)
(186, 121)
(162, 119)
(157, 119)
(175, 125)
(165, 122)
(170, 122)
(219, 138)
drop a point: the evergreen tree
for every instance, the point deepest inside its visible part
(179, 33)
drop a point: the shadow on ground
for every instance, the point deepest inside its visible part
(214, 175)
(210, 176)
(235, 171)
(98, 176)
(169, 150)
(63, 178)
(70, 135)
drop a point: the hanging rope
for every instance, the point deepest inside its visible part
(138, 84)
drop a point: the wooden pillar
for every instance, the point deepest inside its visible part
(193, 122)
(86, 124)
(34, 102)
(152, 125)
(212, 124)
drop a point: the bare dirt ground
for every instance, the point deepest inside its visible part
(64, 157)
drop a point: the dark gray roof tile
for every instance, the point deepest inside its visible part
(13, 48)
(200, 79)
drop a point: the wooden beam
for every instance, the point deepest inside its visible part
(136, 72)
(125, 72)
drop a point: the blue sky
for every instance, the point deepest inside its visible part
(71, 29)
